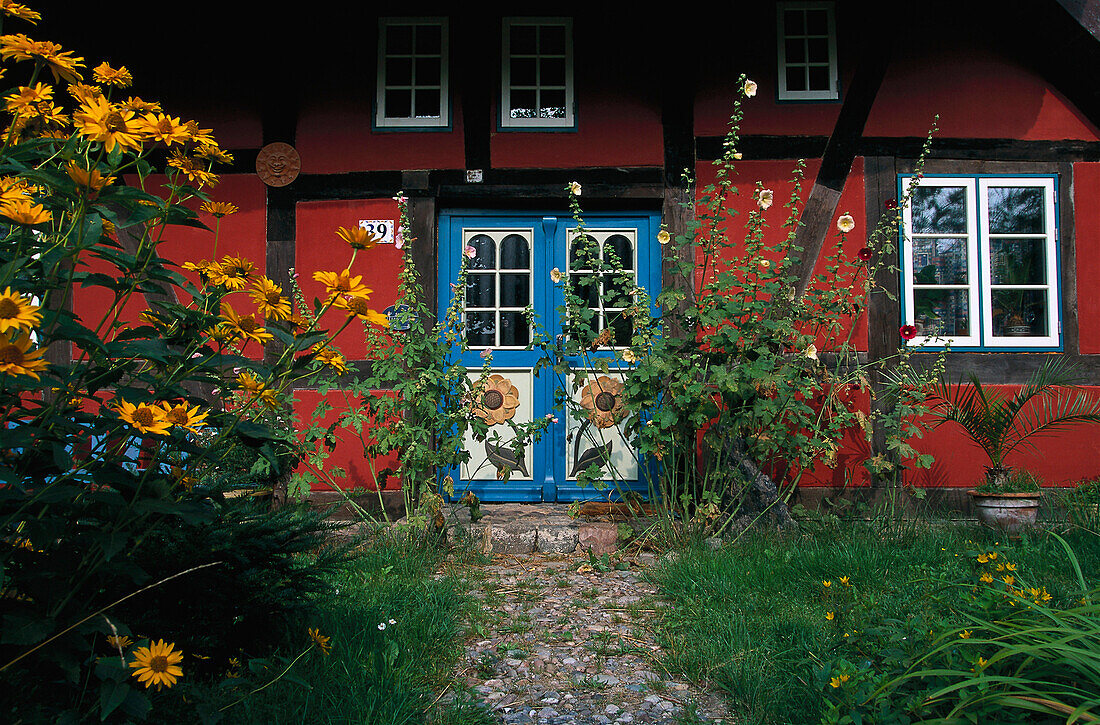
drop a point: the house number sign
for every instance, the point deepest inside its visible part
(380, 228)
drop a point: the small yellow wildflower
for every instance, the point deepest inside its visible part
(826, 583)
(320, 641)
(830, 616)
(157, 664)
(986, 577)
(965, 634)
(839, 680)
(845, 581)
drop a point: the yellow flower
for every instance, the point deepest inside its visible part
(143, 417)
(16, 358)
(983, 558)
(320, 641)
(555, 275)
(119, 641)
(845, 581)
(1008, 580)
(331, 358)
(28, 97)
(108, 76)
(25, 211)
(982, 663)
(846, 223)
(111, 126)
(18, 10)
(765, 198)
(830, 616)
(496, 400)
(84, 93)
(358, 237)
(233, 272)
(219, 209)
(986, 577)
(1010, 566)
(360, 307)
(17, 312)
(574, 188)
(133, 103)
(342, 284)
(62, 64)
(663, 237)
(157, 664)
(992, 556)
(92, 180)
(629, 356)
(183, 417)
(999, 567)
(965, 634)
(244, 326)
(162, 128)
(826, 583)
(268, 297)
(249, 383)
(840, 679)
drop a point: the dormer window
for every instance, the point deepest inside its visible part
(807, 52)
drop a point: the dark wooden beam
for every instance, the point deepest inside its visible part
(475, 80)
(836, 162)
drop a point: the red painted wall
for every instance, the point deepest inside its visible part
(319, 249)
(337, 138)
(348, 453)
(1086, 228)
(241, 234)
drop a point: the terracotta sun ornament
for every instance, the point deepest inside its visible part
(497, 400)
(603, 400)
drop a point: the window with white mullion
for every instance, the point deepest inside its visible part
(498, 288)
(537, 73)
(1020, 274)
(807, 51)
(939, 263)
(608, 288)
(412, 89)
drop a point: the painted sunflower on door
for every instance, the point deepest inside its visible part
(497, 399)
(602, 398)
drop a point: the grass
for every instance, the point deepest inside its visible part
(750, 619)
(388, 676)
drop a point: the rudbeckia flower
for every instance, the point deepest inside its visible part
(343, 284)
(25, 211)
(17, 358)
(144, 418)
(358, 237)
(17, 312)
(157, 664)
(181, 416)
(244, 326)
(269, 299)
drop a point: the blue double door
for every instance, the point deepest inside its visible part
(516, 266)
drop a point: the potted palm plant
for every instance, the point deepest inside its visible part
(1050, 401)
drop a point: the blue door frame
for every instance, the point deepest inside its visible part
(548, 480)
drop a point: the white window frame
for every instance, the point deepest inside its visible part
(979, 263)
(498, 234)
(506, 120)
(381, 120)
(600, 236)
(833, 92)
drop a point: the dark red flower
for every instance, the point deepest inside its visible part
(908, 332)
(891, 203)
(853, 387)
(864, 254)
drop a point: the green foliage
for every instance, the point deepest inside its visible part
(1015, 482)
(1050, 401)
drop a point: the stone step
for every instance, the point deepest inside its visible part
(534, 528)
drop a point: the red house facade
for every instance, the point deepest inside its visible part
(481, 120)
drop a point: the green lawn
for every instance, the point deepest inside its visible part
(752, 619)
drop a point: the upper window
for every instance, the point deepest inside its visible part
(980, 262)
(807, 52)
(412, 73)
(537, 73)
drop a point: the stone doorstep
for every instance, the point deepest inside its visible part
(531, 528)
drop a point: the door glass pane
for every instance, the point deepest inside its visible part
(523, 104)
(622, 327)
(480, 290)
(552, 39)
(939, 209)
(817, 22)
(1019, 313)
(582, 253)
(1019, 261)
(617, 289)
(484, 252)
(515, 253)
(618, 252)
(939, 261)
(427, 71)
(586, 287)
(522, 39)
(513, 329)
(796, 50)
(942, 313)
(514, 290)
(1016, 210)
(481, 329)
(523, 72)
(794, 22)
(399, 39)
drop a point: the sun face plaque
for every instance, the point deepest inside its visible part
(278, 164)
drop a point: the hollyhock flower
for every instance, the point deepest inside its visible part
(846, 223)
(908, 332)
(865, 254)
(750, 88)
(575, 188)
(765, 199)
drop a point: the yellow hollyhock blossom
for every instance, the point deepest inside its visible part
(62, 64)
(341, 285)
(119, 77)
(219, 209)
(162, 128)
(29, 96)
(244, 326)
(157, 664)
(100, 121)
(319, 640)
(268, 297)
(358, 237)
(183, 417)
(143, 417)
(25, 211)
(16, 357)
(17, 312)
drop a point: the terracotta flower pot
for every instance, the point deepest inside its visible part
(1009, 512)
